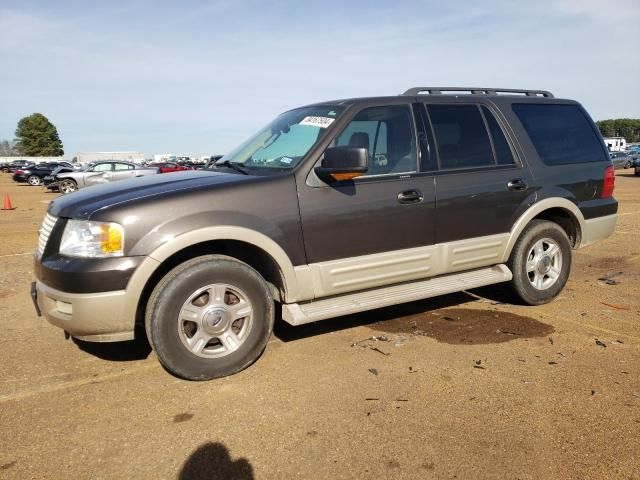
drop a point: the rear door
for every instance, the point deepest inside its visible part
(122, 171)
(481, 184)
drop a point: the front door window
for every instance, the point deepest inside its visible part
(388, 134)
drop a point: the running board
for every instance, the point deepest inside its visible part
(301, 313)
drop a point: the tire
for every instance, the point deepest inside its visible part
(209, 317)
(34, 180)
(537, 280)
(67, 186)
(628, 165)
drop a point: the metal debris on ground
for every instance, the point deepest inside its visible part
(608, 279)
(617, 342)
(507, 332)
(552, 363)
(371, 399)
(481, 299)
(600, 344)
(374, 371)
(551, 340)
(376, 349)
(617, 306)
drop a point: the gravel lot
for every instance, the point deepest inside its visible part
(463, 386)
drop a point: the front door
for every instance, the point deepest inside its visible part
(372, 230)
(100, 173)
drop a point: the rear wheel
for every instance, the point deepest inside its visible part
(209, 317)
(34, 180)
(67, 185)
(540, 262)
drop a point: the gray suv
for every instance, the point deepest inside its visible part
(331, 209)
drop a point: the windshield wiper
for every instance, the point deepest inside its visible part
(232, 165)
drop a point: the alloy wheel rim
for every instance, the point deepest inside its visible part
(215, 320)
(544, 264)
(67, 187)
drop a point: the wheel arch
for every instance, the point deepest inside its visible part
(558, 210)
(252, 247)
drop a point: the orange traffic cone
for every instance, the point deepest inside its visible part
(7, 203)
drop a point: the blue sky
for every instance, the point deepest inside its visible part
(199, 77)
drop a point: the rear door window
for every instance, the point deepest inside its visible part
(500, 145)
(123, 166)
(461, 136)
(561, 134)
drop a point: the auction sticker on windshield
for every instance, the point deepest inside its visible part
(322, 122)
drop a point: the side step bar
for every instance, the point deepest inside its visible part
(301, 313)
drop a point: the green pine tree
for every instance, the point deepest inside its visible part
(36, 136)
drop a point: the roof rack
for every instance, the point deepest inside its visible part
(477, 91)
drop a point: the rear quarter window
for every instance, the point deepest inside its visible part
(561, 134)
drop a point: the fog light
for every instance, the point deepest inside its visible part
(64, 307)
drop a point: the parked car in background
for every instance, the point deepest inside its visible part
(51, 182)
(633, 149)
(101, 172)
(168, 167)
(15, 164)
(210, 163)
(636, 167)
(621, 160)
(35, 174)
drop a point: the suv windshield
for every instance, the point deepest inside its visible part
(286, 140)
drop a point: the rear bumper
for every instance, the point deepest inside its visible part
(94, 317)
(596, 229)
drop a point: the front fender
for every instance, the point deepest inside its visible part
(146, 269)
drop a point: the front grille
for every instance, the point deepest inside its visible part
(45, 230)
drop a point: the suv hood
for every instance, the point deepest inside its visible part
(87, 201)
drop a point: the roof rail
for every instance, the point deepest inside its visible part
(477, 91)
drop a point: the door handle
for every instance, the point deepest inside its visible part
(410, 196)
(516, 185)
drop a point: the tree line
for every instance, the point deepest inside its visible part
(36, 136)
(629, 128)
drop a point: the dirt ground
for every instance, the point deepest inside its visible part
(463, 386)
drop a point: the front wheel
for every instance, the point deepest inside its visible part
(540, 262)
(68, 186)
(209, 317)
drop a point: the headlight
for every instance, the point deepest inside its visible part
(92, 239)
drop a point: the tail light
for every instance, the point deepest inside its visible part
(608, 183)
(19, 172)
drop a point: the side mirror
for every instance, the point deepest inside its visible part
(343, 163)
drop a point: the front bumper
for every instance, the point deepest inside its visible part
(93, 317)
(90, 298)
